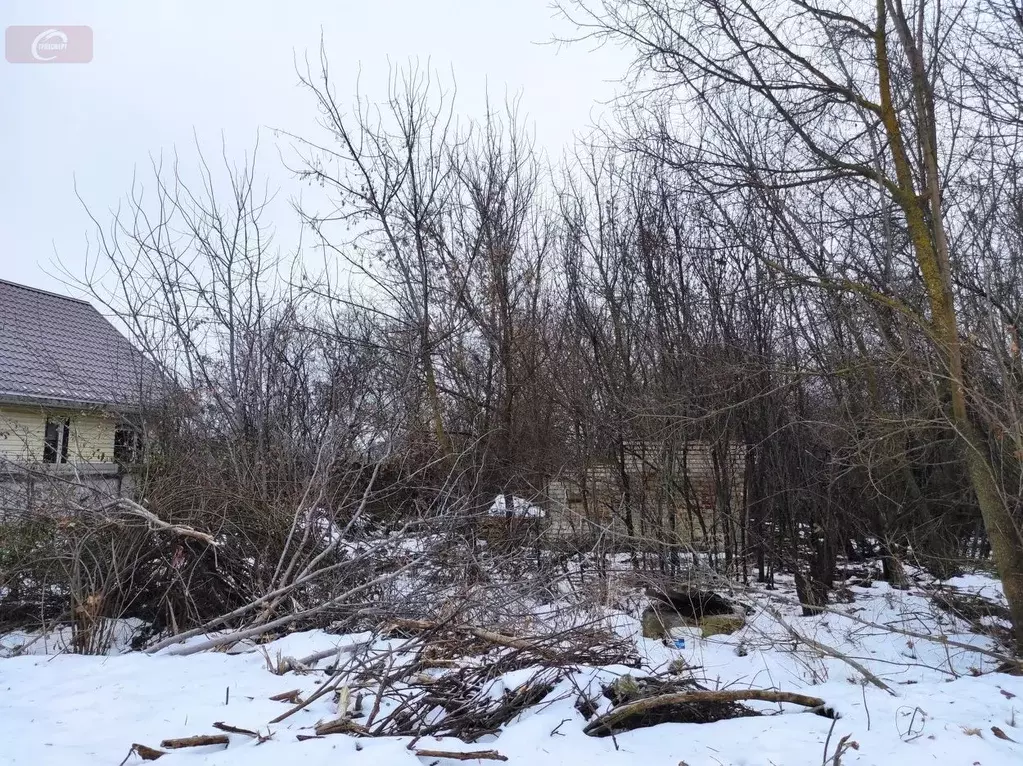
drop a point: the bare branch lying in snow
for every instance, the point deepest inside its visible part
(474, 755)
(831, 652)
(608, 723)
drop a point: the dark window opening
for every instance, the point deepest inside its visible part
(127, 444)
(56, 440)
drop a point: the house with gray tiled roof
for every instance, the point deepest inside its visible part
(71, 388)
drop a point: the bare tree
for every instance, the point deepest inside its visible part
(853, 94)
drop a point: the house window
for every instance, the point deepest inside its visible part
(55, 446)
(127, 444)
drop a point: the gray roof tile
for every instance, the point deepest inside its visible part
(62, 349)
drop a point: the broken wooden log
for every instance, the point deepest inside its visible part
(477, 755)
(612, 721)
(200, 740)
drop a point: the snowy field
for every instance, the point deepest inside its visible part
(946, 704)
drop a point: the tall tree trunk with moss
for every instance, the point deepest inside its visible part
(925, 222)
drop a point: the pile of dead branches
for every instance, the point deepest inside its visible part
(449, 679)
(450, 683)
(463, 704)
(577, 645)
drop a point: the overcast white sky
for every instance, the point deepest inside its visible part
(165, 69)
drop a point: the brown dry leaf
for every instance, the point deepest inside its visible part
(147, 753)
(1007, 695)
(1001, 734)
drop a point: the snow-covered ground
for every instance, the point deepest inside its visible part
(67, 709)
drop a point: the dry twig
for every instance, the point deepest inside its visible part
(236, 730)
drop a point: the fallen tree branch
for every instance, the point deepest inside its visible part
(337, 650)
(939, 639)
(832, 652)
(265, 627)
(209, 625)
(217, 621)
(200, 740)
(340, 726)
(131, 508)
(510, 641)
(477, 755)
(607, 722)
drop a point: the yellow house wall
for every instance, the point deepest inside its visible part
(23, 431)
(92, 439)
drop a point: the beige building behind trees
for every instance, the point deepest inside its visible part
(71, 388)
(675, 493)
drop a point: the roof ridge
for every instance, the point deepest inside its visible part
(45, 292)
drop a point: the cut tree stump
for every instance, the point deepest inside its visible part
(617, 719)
